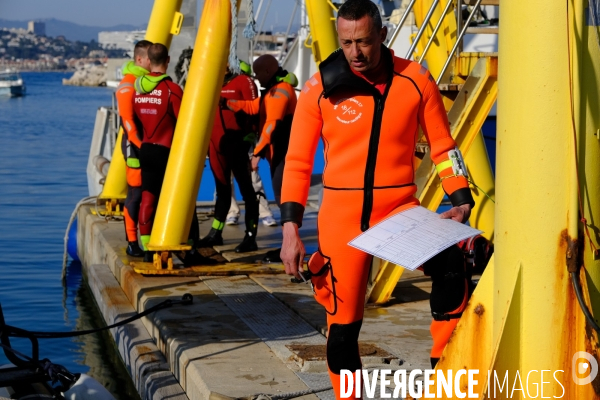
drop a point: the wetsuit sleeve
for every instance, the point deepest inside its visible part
(124, 96)
(304, 139)
(250, 107)
(434, 121)
(276, 106)
(175, 99)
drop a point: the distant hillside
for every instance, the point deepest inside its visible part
(71, 31)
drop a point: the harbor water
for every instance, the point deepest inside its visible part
(45, 139)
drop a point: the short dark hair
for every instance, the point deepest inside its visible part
(353, 10)
(158, 54)
(141, 48)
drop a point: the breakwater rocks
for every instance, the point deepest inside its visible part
(88, 75)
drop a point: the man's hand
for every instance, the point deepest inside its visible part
(292, 250)
(254, 163)
(459, 214)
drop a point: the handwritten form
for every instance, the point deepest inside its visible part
(412, 237)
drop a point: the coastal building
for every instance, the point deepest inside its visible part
(125, 40)
(37, 28)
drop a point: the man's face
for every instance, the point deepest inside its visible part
(143, 61)
(361, 42)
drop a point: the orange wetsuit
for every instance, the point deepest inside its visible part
(130, 145)
(276, 109)
(369, 130)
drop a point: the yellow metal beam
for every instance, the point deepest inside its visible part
(165, 21)
(586, 86)
(537, 200)
(115, 184)
(322, 28)
(192, 134)
(480, 173)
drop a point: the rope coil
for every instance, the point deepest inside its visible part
(250, 29)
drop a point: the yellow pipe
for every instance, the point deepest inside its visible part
(115, 185)
(480, 172)
(533, 212)
(586, 86)
(165, 20)
(194, 125)
(322, 29)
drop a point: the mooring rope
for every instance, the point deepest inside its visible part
(234, 62)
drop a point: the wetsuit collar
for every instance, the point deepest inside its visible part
(147, 83)
(131, 69)
(336, 73)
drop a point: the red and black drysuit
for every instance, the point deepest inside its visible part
(369, 126)
(228, 151)
(275, 109)
(157, 114)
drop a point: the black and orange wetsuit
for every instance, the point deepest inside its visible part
(130, 145)
(275, 108)
(228, 152)
(369, 130)
(157, 111)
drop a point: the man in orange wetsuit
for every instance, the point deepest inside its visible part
(132, 142)
(367, 105)
(275, 108)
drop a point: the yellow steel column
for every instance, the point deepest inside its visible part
(165, 21)
(535, 163)
(586, 62)
(480, 172)
(192, 134)
(322, 28)
(115, 184)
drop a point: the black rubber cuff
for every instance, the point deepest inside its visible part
(445, 317)
(462, 196)
(292, 212)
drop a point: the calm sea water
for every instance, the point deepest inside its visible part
(44, 142)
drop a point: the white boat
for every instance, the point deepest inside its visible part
(11, 83)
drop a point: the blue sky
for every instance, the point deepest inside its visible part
(112, 12)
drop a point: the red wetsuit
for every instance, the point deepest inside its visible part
(370, 129)
(228, 151)
(275, 109)
(157, 111)
(157, 114)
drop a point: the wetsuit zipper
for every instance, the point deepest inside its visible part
(372, 158)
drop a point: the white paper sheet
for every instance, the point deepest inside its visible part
(412, 237)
